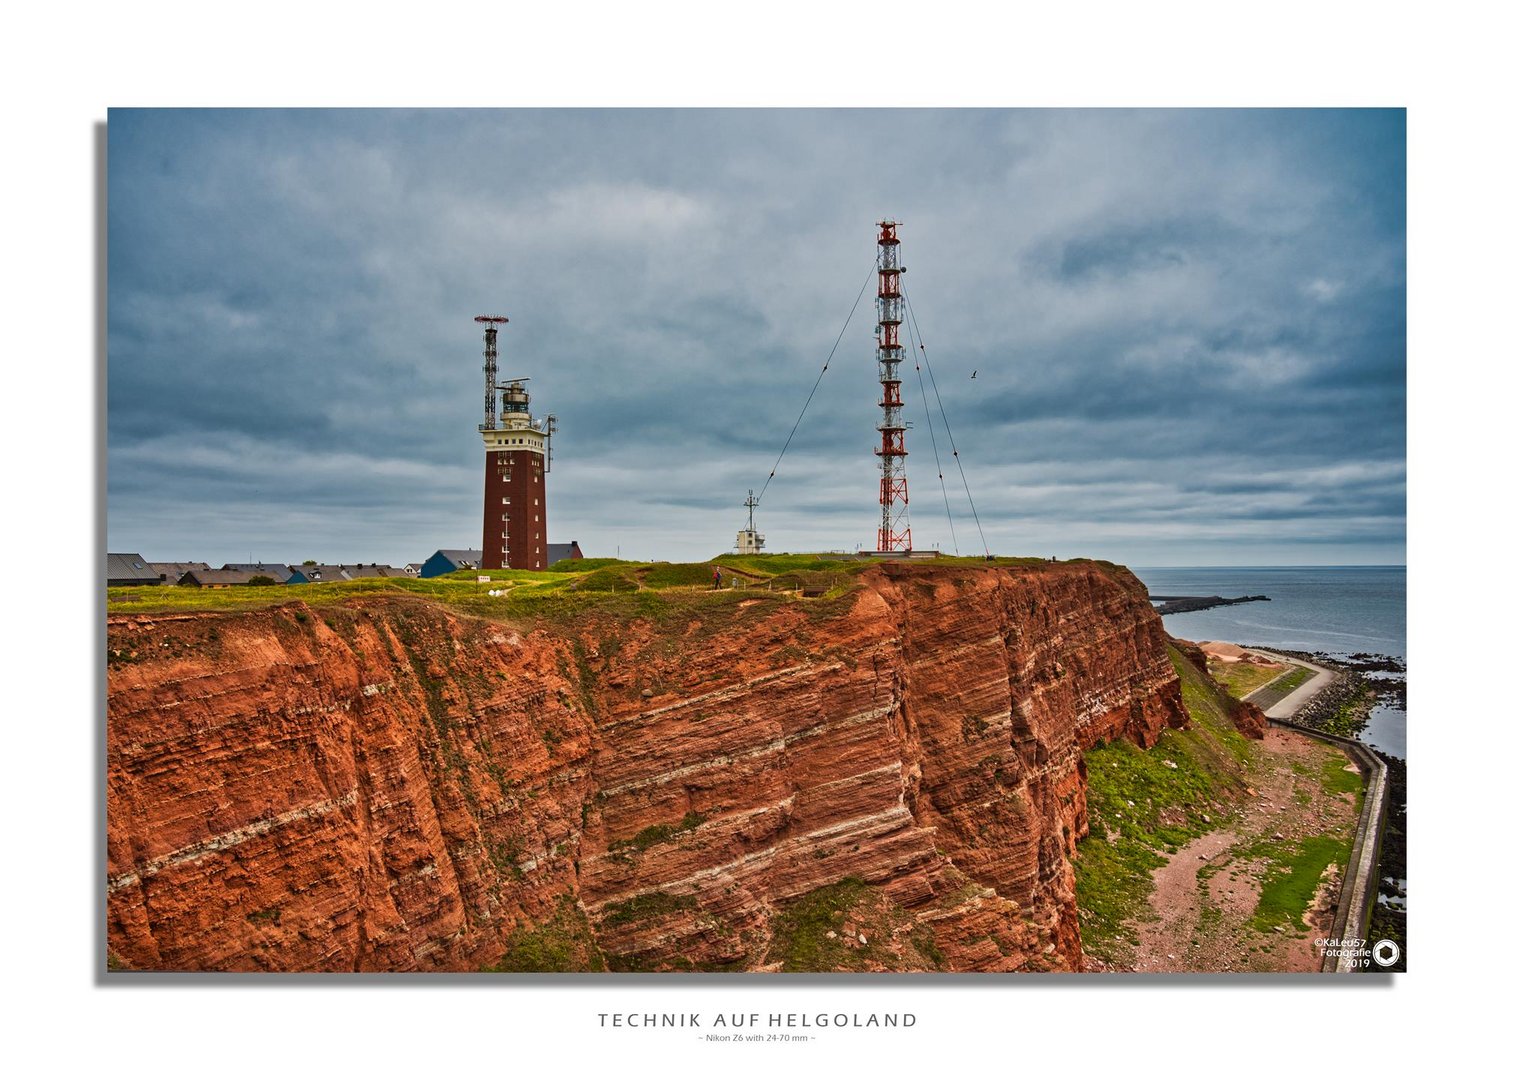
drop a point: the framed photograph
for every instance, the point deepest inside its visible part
(955, 541)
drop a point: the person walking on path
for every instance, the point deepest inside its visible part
(717, 577)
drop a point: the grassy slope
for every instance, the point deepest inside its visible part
(1141, 809)
(569, 587)
(609, 587)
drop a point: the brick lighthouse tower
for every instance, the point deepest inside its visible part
(517, 457)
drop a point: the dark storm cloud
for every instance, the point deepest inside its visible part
(1127, 249)
(1188, 327)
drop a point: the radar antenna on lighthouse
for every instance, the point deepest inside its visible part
(492, 323)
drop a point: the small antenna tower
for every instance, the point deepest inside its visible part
(747, 541)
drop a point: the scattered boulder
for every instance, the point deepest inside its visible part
(1247, 718)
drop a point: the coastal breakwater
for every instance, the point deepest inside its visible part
(389, 785)
(1176, 605)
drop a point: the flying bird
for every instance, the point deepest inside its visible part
(975, 373)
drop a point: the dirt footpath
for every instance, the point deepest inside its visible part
(1204, 913)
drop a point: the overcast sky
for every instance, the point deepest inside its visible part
(1187, 328)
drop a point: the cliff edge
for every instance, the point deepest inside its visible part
(888, 776)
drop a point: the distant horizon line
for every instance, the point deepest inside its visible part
(1272, 566)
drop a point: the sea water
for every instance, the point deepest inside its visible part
(1337, 610)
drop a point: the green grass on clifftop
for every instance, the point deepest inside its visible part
(611, 587)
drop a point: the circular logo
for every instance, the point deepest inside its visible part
(1385, 953)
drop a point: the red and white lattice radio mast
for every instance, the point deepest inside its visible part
(893, 489)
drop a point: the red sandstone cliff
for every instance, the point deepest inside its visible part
(392, 786)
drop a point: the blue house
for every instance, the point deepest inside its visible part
(446, 560)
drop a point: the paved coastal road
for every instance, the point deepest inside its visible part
(1291, 704)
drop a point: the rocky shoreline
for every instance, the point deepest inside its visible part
(1362, 680)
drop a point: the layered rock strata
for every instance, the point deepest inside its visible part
(392, 786)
